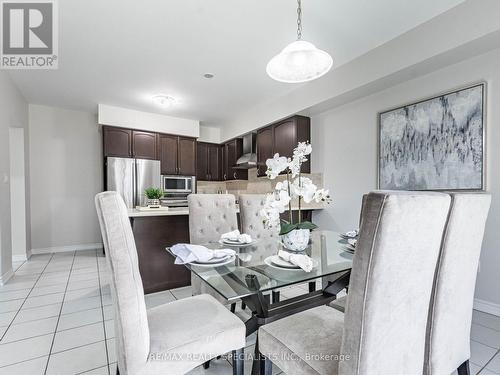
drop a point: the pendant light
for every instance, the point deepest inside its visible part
(299, 61)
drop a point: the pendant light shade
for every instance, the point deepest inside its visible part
(300, 61)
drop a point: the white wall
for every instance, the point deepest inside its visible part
(13, 114)
(345, 150)
(128, 118)
(66, 173)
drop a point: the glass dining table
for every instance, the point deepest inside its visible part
(252, 276)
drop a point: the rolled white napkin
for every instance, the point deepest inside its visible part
(235, 235)
(301, 260)
(187, 253)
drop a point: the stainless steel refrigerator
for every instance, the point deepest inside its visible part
(130, 177)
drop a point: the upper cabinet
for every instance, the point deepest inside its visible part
(177, 155)
(233, 149)
(127, 143)
(209, 162)
(264, 149)
(144, 145)
(117, 141)
(282, 137)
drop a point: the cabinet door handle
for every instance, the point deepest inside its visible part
(224, 176)
(234, 175)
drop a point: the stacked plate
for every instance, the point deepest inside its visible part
(236, 243)
(215, 262)
(275, 261)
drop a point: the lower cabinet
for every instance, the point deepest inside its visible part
(156, 265)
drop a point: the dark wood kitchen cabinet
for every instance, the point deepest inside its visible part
(282, 137)
(144, 145)
(264, 149)
(209, 162)
(117, 141)
(177, 155)
(232, 150)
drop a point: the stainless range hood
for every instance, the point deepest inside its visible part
(249, 158)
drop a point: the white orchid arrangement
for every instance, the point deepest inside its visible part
(295, 186)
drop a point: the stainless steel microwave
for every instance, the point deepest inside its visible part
(179, 184)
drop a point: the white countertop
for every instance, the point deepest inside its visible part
(133, 212)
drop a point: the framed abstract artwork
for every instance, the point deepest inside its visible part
(434, 144)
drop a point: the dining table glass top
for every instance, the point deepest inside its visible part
(251, 271)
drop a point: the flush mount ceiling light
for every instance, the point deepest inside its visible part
(164, 100)
(300, 61)
(209, 75)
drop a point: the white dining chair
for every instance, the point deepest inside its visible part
(383, 330)
(173, 338)
(450, 315)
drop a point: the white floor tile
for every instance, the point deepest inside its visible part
(487, 372)
(23, 350)
(47, 299)
(183, 292)
(72, 295)
(6, 318)
(32, 367)
(83, 284)
(112, 368)
(26, 315)
(83, 276)
(9, 306)
(107, 300)
(110, 329)
(474, 369)
(485, 335)
(30, 329)
(111, 350)
(80, 318)
(15, 294)
(81, 304)
(77, 360)
(44, 290)
(480, 353)
(80, 336)
(494, 364)
(108, 312)
(217, 366)
(97, 371)
(487, 320)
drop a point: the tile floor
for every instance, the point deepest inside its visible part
(56, 318)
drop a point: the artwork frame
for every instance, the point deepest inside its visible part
(409, 176)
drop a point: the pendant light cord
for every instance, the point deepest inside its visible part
(299, 20)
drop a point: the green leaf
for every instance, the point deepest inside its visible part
(306, 225)
(287, 228)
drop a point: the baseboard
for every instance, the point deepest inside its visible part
(487, 307)
(62, 249)
(6, 276)
(19, 257)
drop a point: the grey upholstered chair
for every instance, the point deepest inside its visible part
(168, 339)
(210, 216)
(450, 316)
(384, 328)
(251, 220)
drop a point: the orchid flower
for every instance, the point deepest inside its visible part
(276, 165)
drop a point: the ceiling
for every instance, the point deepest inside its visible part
(122, 52)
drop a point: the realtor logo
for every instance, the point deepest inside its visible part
(28, 34)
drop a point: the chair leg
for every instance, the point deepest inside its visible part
(233, 307)
(276, 296)
(312, 286)
(266, 366)
(206, 365)
(463, 369)
(117, 371)
(243, 305)
(238, 361)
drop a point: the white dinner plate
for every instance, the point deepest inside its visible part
(222, 262)
(270, 261)
(236, 243)
(349, 248)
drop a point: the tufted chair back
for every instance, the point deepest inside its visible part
(131, 322)
(211, 215)
(251, 221)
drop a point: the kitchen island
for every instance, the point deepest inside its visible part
(156, 230)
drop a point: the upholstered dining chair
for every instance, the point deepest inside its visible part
(450, 315)
(251, 220)
(384, 327)
(169, 339)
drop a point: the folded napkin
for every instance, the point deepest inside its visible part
(235, 235)
(187, 253)
(352, 241)
(300, 260)
(352, 233)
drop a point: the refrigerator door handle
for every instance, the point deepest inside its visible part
(134, 185)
